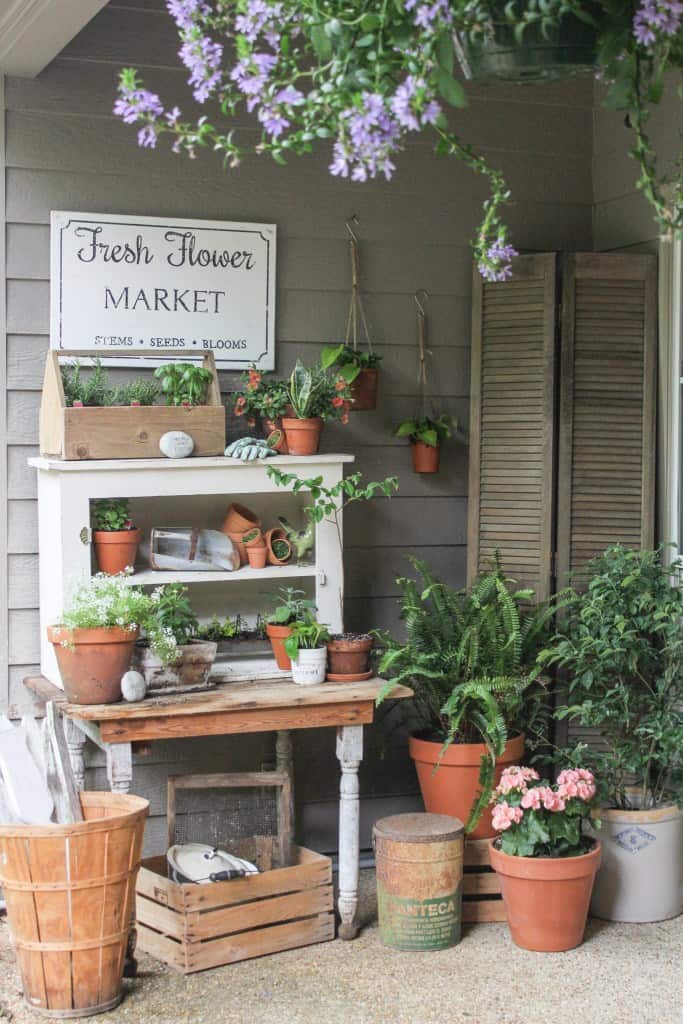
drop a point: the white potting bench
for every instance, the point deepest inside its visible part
(253, 701)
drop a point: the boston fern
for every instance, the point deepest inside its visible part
(469, 658)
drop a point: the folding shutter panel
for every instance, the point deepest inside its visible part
(607, 406)
(511, 423)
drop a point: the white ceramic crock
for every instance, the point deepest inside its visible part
(641, 877)
(309, 667)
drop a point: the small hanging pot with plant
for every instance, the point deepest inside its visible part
(359, 367)
(315, 395)
(115, 537)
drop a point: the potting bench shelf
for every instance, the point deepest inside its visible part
(157, 577)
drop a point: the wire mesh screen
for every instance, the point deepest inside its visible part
(223, 816)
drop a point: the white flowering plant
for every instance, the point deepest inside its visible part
(362, 76)
(111, 601)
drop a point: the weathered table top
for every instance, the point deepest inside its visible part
(255, 706)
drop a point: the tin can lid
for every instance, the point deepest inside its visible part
(418, 828)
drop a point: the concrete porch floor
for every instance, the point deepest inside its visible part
(623, 974)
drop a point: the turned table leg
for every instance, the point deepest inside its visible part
(75, 743)
(349, 755)
(119, 766)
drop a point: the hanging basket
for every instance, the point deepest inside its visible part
(569, 48)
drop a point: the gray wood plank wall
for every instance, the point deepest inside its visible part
(66, 151)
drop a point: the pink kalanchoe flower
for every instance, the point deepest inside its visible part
(568, 790)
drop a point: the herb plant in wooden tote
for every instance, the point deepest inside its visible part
(545, 863)
(621, 651)
(190, 667)
(115, 537)
(469, 658)
(94, 640)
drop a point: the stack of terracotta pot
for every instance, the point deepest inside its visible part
(255, 547)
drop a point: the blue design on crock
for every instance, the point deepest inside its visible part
(634, 839)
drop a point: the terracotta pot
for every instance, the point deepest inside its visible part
(277, 636)
(348, 658)
(453, 787)
(257, 556)
(303, 436)
(546, 898)
(239, 519)
(256, 541)
(115, 550)
(425, 457)
(364, 391)
(240, 547)
(270, 426)
(272, 535)
(92, 663)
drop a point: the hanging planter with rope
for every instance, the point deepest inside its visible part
(427, 429)
(357, 365)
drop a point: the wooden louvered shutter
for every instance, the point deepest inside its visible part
(512, 423)
(606, 460)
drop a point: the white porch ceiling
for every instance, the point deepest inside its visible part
(33, 32)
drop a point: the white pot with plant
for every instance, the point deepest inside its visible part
(621, 649)
(306, 649)
(190, 667)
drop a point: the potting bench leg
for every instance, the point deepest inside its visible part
(119, 766)
(75, 743)
(349, 755)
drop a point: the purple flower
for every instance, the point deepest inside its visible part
(402, 104)
(147, 136)
(655, 17)
(202, 58)
(289, 95)
(261, 18)
(133, 104)
(251, 76)
(369, 136)
(273, 121)
(496, 264)
(186, 13)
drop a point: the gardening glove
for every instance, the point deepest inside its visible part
(249, 449)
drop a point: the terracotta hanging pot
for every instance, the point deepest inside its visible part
(546, 898)
(425, 457)
(364, 391)
(348, 658)
(277, 636)
(115, 550)
(278, 537)
(453, 787)
(253, 539)
(92, 661)
(303, 436)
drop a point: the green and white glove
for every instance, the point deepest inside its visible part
(249, 449)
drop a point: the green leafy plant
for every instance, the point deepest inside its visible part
(92, 389)
(470, 659)
(292, 606)
(621, 650)
(281, 548)
(183, 383)
(108, 601)
(111, 514)
(174, 613)
(307, 635)
(140, 390)
(316, 392)
(261, 396)
(349, 360)
(429, 430)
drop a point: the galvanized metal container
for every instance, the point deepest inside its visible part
(419, 880)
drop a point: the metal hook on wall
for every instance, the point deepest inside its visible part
(425, 295)
(353, 219)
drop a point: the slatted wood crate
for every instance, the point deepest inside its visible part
(481, 899)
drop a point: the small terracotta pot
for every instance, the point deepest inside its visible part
(425, 457)
(303, 436)
(277, 636)
(239, 519)
(348, 658)
(256, 541)
(115, 550)
(364, 391)
(277, 533)
(270, 426)
(453, 787)
(546, 898)
(257, 556)
(93, 661)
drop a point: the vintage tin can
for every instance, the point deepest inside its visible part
(419, 880)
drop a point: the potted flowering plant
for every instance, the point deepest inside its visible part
(426, 435)
(545, 861)
(189, 667)
(115, 536)
(314, 395)
(95, 637)
(265, 398)
(360, 368)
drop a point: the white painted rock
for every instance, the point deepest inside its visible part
(133, 686)
(176, 444)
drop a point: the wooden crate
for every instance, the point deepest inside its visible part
(481, 898)
(124, 432)
(194, 927)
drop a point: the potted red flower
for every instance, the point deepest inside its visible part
(266, 399)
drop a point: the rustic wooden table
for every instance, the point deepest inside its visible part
(256, 706)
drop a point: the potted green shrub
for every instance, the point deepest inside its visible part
(544, 860)
(96, 635)
(315, 395)
(191, 665)
(426, 435)
(305, 647)
(469, 658)
(621, 651)
(183, 383)
(115, 536)
(292, 607)
(360, 368)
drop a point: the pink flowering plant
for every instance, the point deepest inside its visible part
(536, 819)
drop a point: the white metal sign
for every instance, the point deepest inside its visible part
(184, 287)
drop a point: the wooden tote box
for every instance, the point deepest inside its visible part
(196, 926)
(124, 432)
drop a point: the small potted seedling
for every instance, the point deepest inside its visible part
(426, 435)
(305, 647)
(115, 536)
(292, 606)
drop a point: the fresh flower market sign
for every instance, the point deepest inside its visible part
(129, 283)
